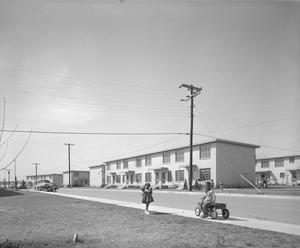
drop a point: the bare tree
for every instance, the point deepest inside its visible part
(5, 141)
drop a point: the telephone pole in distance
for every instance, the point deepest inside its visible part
(8, 171)
(36, 164)
(69, 158)
(194, 91)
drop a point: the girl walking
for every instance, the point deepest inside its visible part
(147, 197)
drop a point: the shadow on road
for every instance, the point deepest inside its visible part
(5, 193)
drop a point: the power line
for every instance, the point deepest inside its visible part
(92, 133)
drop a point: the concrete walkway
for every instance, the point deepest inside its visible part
(233, 220)
(287, 197)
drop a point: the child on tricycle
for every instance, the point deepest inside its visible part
(208, 206)
(208, 200)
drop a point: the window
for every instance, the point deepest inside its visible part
(124, 178)
(205, 174)
(125, 164)
(291, 159)
(148, 177)
(179, 156)
(166, 158)
(118, 165)
(108, 179)
(281, 175)
(204, 152)
(138, 162)
(179, 176)
(264, 164)
(138, 177)
(148, 160)
(279, 163)
(170, 179)
(108, 167)
(75, 174)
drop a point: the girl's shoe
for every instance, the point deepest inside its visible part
(147, 212)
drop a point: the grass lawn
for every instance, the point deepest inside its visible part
(32, 219)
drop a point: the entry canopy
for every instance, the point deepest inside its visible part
(130, 172)
(188, 166)
(161, 168)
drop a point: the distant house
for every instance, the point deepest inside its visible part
(97, 175)
(219, 160)
(279, 170)
(54, 178)
(77, 178)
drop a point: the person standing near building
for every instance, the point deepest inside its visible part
(147, 197)
(212, 183)
(185, 185)
(221, 186)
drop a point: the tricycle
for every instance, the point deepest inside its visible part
(212, 210)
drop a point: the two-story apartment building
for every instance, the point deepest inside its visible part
(220, 160)
(53, 178)
(279, 170)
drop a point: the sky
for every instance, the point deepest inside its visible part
(114, 67)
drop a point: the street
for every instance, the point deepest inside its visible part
(272, 209)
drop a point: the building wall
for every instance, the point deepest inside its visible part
(288, 173)
(78, 178)
(97, 176)
(233, 161)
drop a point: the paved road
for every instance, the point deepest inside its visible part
(263, 208)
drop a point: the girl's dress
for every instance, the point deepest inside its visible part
(147, 195)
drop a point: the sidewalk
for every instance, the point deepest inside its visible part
(228, 193)
(246, 222)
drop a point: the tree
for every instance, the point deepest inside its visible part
(4, 141)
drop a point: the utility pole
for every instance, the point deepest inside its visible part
(69, 158)
(8, 171)
(194, 91)
(16, 182)
(36, 164)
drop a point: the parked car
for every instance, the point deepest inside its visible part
(45, 185)
(22, 185)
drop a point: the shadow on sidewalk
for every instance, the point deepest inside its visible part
(5, 193)
(159, 213)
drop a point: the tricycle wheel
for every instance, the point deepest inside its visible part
(214, 214)
(225, 213)
(197, 211)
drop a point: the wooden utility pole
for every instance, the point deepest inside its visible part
(36, 164)
(16, 182)
(8, 171)
(69, 158)
(194, 91)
